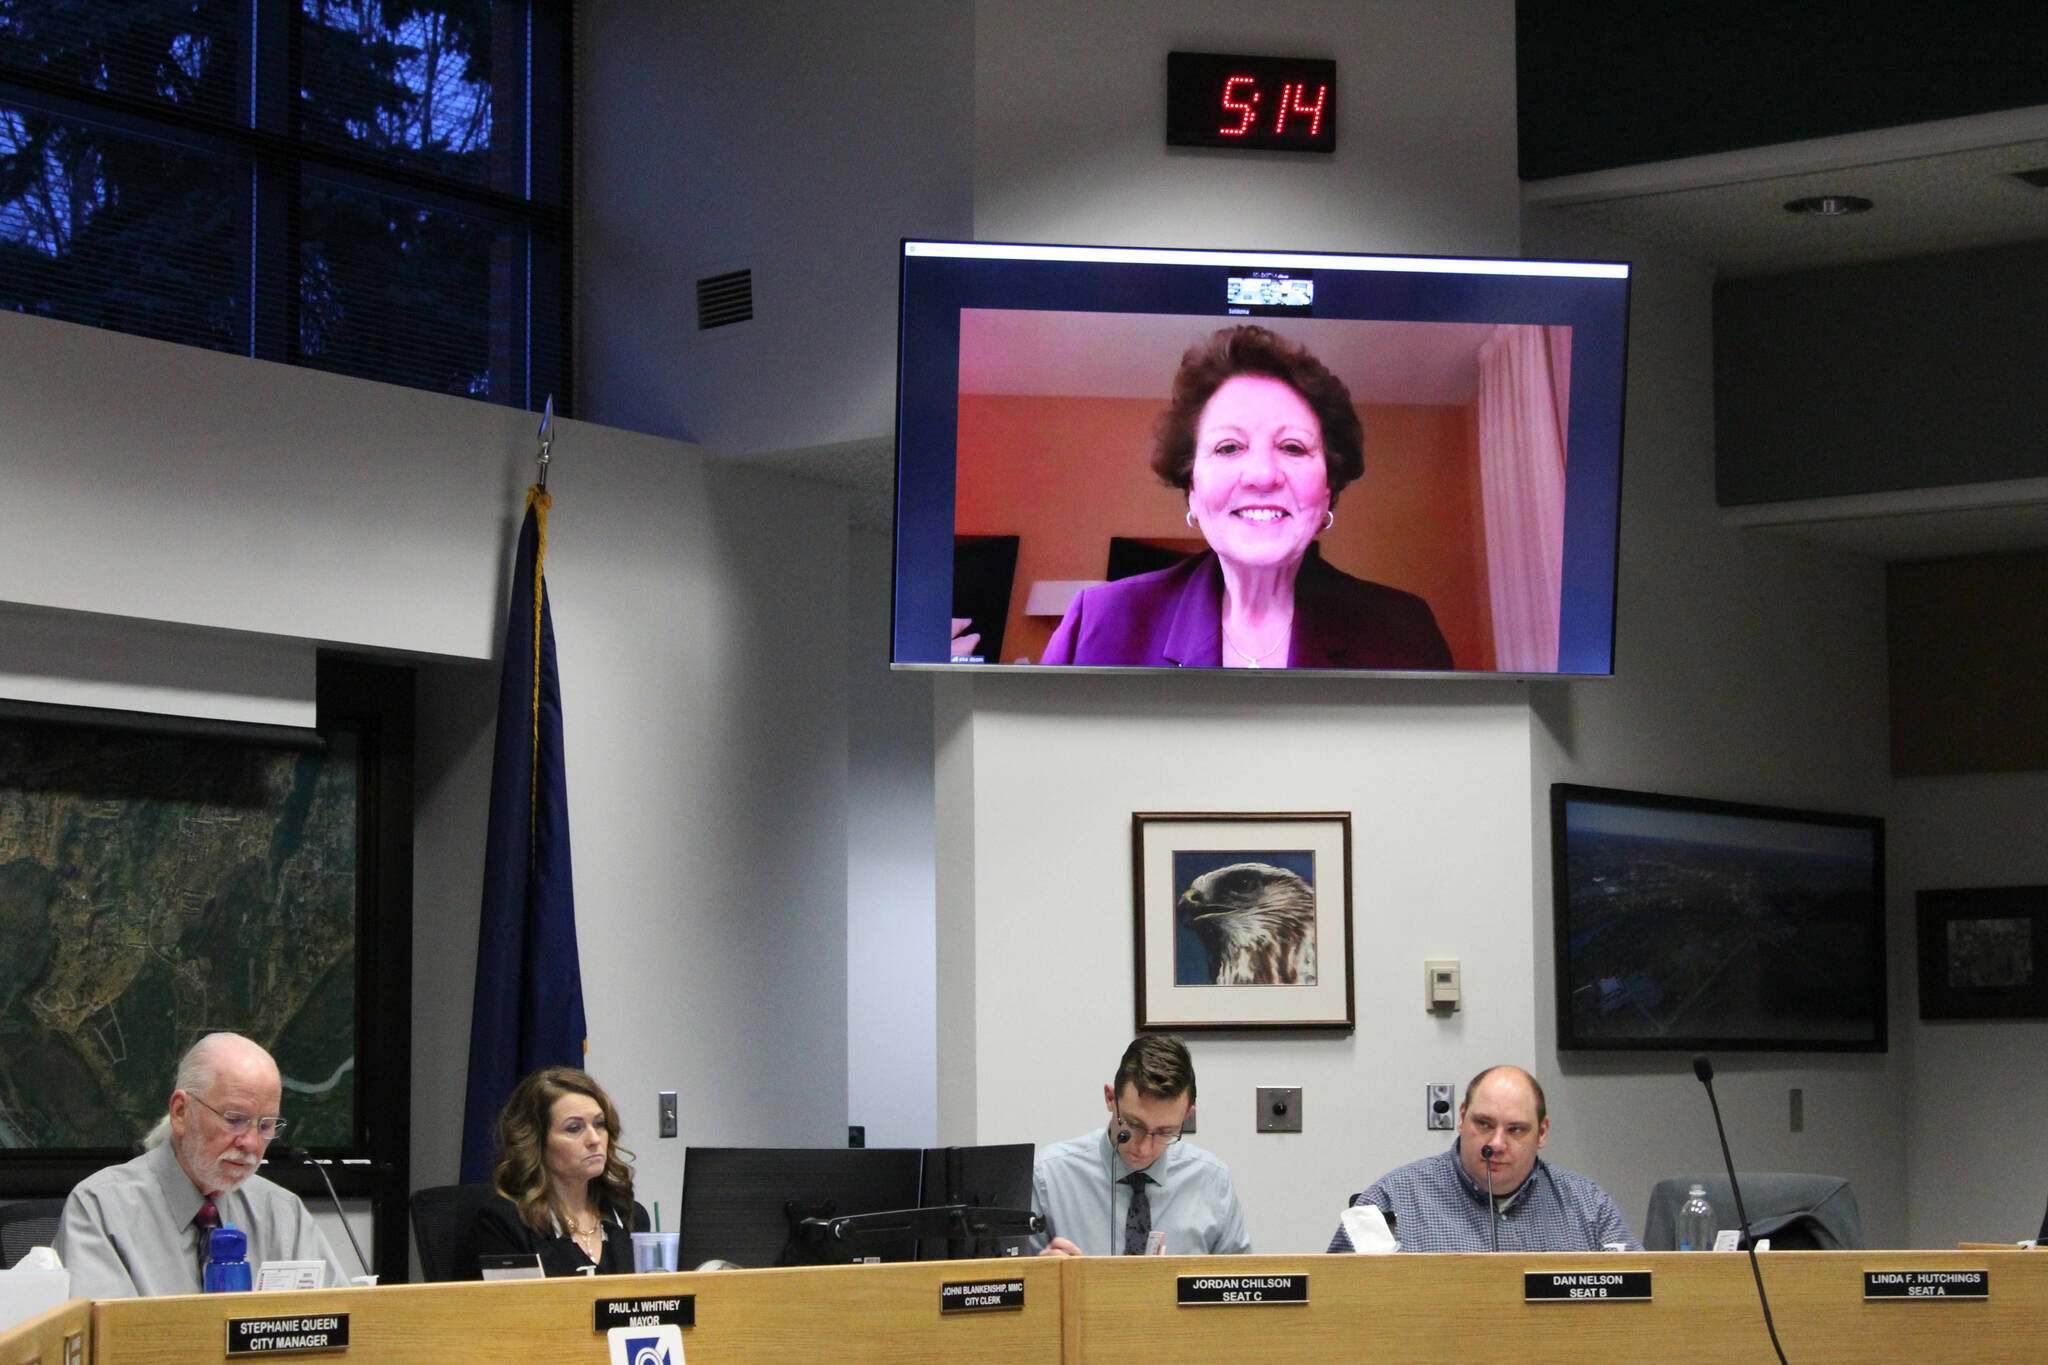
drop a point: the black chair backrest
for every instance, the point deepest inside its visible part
(25, 1224)
(442, 1219)
(2042, 1238)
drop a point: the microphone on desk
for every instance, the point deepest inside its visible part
(302, 1157)
(1704, 1069)
(1492, 1214)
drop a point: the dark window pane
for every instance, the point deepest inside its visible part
(392, 291)
(141, 52)
(120, 231)
(405, 84)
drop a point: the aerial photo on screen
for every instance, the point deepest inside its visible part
(1688, 926)
(154, 888)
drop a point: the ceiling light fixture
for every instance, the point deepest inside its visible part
(1829, 205)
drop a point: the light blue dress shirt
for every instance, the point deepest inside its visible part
(1075, 1185)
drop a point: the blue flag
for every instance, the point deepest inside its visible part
(529, 987)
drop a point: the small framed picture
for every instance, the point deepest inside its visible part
(1984, 953)
(1243, 921)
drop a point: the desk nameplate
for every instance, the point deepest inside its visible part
(1240, 1290)
(978, 1296)
(287, 1335)
(1585, 1286)
(1927, 1284)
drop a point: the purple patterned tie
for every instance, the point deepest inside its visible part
(206, 1220)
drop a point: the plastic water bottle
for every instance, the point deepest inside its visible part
(1696, 1221)
(227, 1262)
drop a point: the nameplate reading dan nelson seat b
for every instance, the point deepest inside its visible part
(286, 1336)
(1585, 1286)
(1196, 1290)
(1926, 1284)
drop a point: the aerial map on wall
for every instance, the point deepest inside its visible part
(154, 889)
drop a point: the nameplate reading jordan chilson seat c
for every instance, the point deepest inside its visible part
(1240, 1290)
(1585, 1286)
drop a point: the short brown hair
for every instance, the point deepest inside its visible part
(521, 1174)
(1158, 1067)
(1542, 1108)
(1251, 349)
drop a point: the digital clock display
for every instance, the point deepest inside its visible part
(1284, 104)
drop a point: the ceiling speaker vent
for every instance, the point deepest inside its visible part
(2038, 177)
(725, 299)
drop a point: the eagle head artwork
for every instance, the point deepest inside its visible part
(1258, 923)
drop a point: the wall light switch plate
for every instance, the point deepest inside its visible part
(1440, 1107)
(666, 1108)
(1279, 1109)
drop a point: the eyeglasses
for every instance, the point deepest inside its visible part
(235, 1122)
(1165, 1137)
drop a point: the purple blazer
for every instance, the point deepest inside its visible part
(1173, 618)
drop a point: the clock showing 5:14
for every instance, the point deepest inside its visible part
(1262, 103)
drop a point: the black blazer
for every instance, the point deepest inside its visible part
(499, 1232)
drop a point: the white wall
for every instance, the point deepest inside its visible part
(1749, 667)
(1038, 777)
(800, 140)
(700, 619)
(1978, 1106)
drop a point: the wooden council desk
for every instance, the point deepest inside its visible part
(1703, 1307)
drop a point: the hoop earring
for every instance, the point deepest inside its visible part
(1190, 520)
(1329, 518)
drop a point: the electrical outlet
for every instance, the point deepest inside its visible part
(1440, 1108)
(665, 1107)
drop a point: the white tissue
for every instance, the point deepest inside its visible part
(1366, 1226)
(40, 1258)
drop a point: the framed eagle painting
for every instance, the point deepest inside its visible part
(1243, 921)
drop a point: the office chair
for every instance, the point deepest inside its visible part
(2042, 1236)
(24, 1224)
(1797, 1212)
(442, 1216)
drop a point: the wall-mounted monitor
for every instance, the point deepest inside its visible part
(1218, 459)
(1686, 925)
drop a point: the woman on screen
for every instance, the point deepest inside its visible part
(1260, 437)
(566, 1184)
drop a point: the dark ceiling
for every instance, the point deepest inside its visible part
(1606, 83)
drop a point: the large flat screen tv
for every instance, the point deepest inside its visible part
(1115, 458)
(1684, 924)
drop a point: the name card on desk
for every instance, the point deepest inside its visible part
(1585, 1286)
(288, 1336)
(968, 1296)
(1196, 1290)
(1926, 1284)
(649, 1311)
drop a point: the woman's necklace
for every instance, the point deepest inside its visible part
(1255, 660)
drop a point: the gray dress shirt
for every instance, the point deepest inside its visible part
(128, 1230)
(1438, 1207)
(1075, 1185)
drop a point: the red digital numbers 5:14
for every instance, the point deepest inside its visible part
(1265, 103)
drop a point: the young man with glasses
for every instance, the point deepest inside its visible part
(141, 1228)
(1134, 1184)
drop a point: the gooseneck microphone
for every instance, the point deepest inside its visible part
(1704, 1069)
(1492, 1214)
(1123, 1137)
(303, 1157)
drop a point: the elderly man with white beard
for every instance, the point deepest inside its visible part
(141, 1228)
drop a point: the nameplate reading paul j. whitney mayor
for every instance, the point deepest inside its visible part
(649, 1311)
(1926, 1284)
(973, 1296)
(1585, 1286)
(1236, 1289)
(283, 1336)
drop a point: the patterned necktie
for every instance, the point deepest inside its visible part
(206, 1220)
(1138, 1222)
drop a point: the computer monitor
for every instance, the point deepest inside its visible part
(746, 1205)
(997, 1177)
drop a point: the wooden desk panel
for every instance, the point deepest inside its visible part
(845, 1313)
(1429, 1308)
(43, 1338)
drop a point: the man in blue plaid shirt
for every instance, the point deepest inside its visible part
(1440, 1203)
